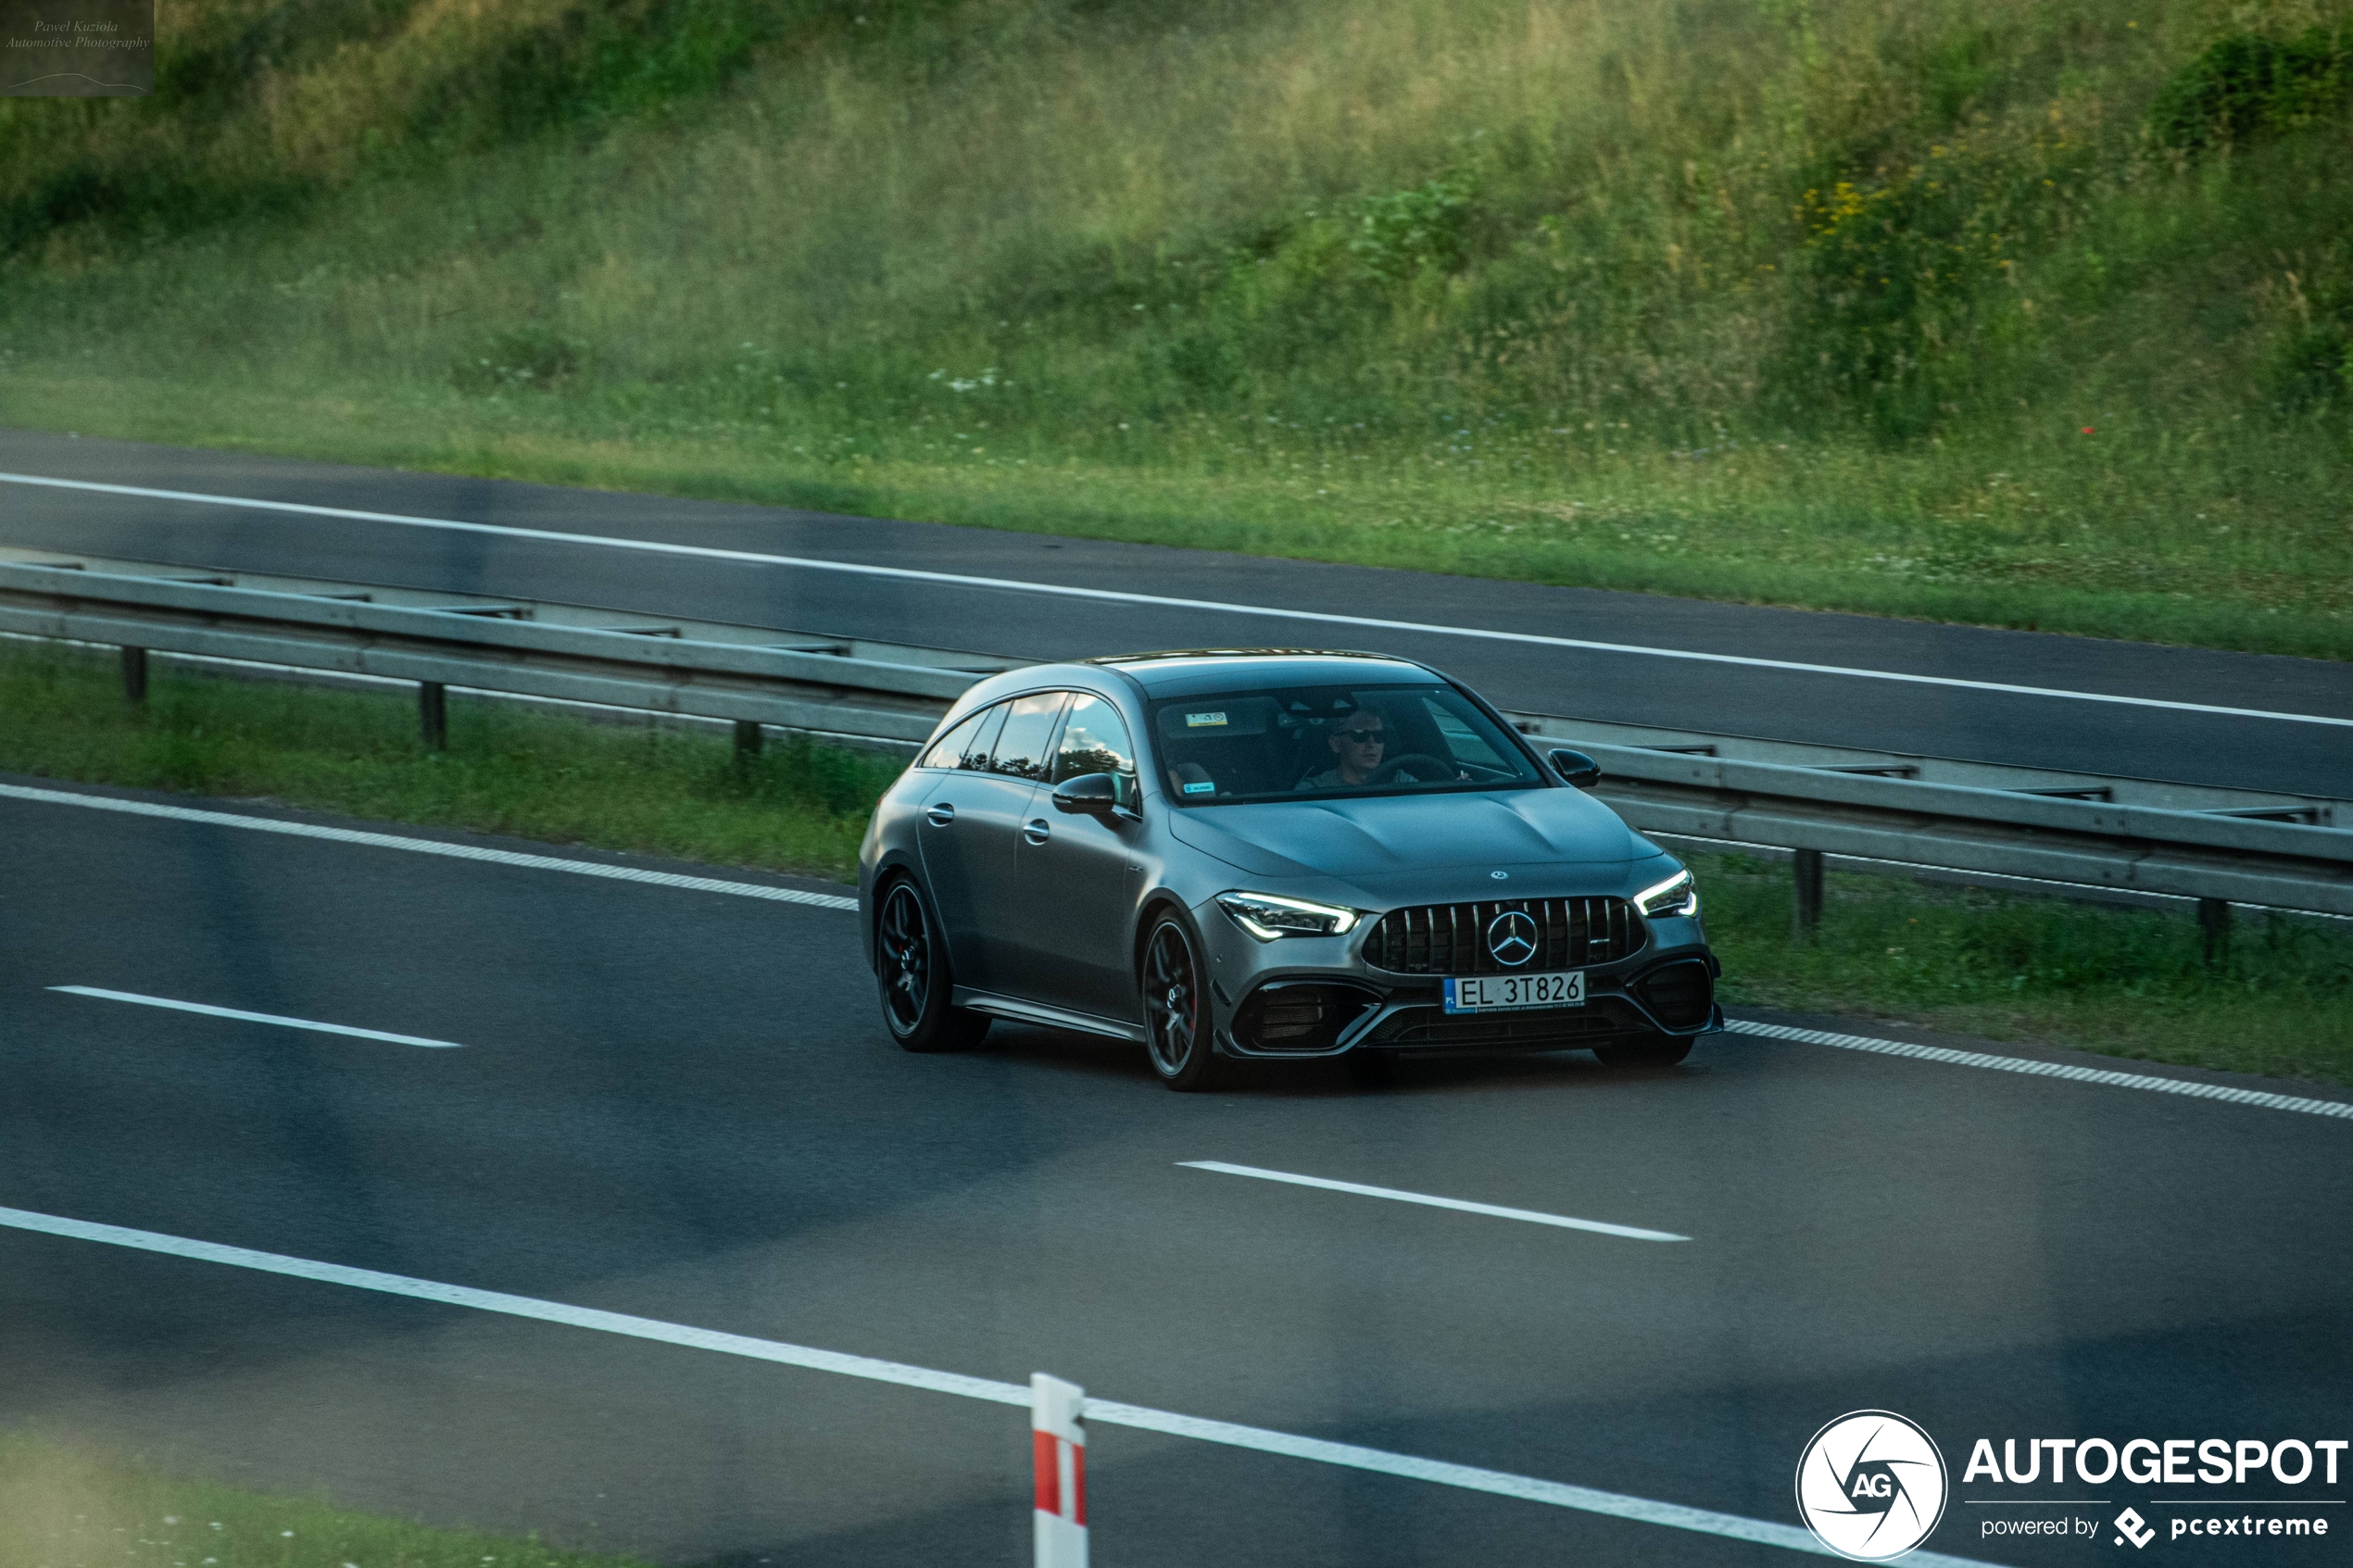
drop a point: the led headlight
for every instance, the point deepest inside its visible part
(1677, 895)
(1268, 917)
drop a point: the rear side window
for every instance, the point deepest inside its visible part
(967, 744)
(1020, 751)
(1095, 741)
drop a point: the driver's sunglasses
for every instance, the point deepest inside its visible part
(1361, 737)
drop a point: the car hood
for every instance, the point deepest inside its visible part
(1374, 836)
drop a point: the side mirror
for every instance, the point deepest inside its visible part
(1096, 794)
(1574, 767)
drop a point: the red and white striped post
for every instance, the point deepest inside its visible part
(1058, 1446)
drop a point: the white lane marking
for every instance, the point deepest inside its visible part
(211, 1011)
(708, 552)
(2223, 1092)
(1105, 1411)
(831, 901)
(1633, 1233)
(429, 847)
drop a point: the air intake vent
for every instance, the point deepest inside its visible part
(1299, 1016)
(1451, 938)
(1679, 995)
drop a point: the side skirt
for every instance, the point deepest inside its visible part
(1038, 1013)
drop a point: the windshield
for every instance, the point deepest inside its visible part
(1309, 742)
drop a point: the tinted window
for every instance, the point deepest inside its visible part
(950, 750)
(1299, 743)
(1021, 747)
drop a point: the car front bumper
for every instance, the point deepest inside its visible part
(1301, 997)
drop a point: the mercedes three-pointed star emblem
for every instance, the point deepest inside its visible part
(1511, 937)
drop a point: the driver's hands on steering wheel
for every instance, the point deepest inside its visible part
(1418, 766)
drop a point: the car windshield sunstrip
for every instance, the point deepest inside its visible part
(1307, 743)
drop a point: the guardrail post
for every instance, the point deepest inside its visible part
(1805, 908)
(2214, 930)
(433, 714)
(747, 738)
(135, 674)
(1058, 1452)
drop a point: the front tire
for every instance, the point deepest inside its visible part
(1649, 1050)
(911, 965)
(1176, 1014)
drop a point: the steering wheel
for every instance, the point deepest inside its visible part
(1419, 766)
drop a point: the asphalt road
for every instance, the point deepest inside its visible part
(2189, 746)
(680, 1105)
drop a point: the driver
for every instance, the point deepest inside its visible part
(1359, 747)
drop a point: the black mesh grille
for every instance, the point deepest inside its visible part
(1451, 938)
(1680, 994)
(1288, 1016)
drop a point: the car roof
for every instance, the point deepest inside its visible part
(1188, 671)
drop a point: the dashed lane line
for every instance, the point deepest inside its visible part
(1494, 1211)
(208, 1010)
(2227, 1094)
(1108, 1412)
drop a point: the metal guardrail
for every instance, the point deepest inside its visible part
(697, 669)
(2219, 846)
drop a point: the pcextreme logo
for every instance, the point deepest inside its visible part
(1872, 1485)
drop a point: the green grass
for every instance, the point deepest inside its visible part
(2130, 982)
(2021, 312)
(61, 1507)
(2124, 982)
(797, 807)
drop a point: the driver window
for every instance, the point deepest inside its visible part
(1095, 741)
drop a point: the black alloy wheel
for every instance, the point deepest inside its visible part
(1645, 1050)
(1175, 1022)
(916, 982)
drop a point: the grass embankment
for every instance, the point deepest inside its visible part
(2029, 312)
(796, 807)
(65, 1509)
(2124, 982)
(2131, 982)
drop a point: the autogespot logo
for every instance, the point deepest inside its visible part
(1872, 1485)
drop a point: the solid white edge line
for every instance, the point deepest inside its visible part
(210, 1011)
(1498, 1483)
(429, 847)
(708, 552)
(831, 901)
(2227, 1093)
(1633, 1233)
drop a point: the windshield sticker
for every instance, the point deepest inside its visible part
(1204, 787)
(1204, 720)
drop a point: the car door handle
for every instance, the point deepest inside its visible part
(1035, 831)
(941, 814)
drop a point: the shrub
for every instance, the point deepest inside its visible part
(2246, 84)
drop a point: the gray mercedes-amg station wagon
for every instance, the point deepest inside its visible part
(1240, 853)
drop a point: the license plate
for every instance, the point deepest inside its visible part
(1508, 993)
